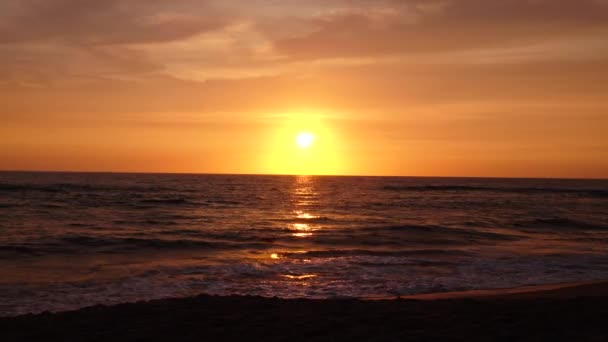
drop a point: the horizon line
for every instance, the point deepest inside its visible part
(291, 175)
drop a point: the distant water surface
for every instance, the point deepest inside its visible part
(69, 240)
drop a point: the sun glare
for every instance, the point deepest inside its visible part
(305, 139)
(303, 144)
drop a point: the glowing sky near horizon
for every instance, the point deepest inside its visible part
(387, 87)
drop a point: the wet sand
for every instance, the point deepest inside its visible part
(562, 312)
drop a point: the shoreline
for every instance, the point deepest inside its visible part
(555, 312)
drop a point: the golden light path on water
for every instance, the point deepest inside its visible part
(303, 197)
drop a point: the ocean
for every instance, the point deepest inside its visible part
(70, 240)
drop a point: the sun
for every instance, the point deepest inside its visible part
(305, 139)
(303, 143)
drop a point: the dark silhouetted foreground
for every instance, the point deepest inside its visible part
(570, 314)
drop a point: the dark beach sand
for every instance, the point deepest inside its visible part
(566, 312)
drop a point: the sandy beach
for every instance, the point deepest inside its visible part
(562, 312)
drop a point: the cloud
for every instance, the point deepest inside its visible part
(42, 41)
(378, 90)
(93, 22)
(395, 27)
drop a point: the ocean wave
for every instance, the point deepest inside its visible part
(147, 222)
(23, 188)
(138, 243)
(221, 201)
(80, 187)
(53, 188)
(443, 231)
(187, 201)
(17, 249)
(561, 223)
(222, 236)
(82, 244)
(525, 190)
(311, 219)
(170, 201)
(377, 253)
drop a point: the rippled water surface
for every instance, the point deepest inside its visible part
(69, 240)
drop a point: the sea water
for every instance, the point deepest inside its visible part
(69, 240)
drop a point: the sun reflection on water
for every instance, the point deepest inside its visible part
(304, 197)
(301, 234)
(299, 277)
(302, 229)
(303, 215)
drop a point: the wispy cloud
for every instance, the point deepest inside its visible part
(396, 27)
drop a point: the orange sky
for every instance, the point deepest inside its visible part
(395, 87)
